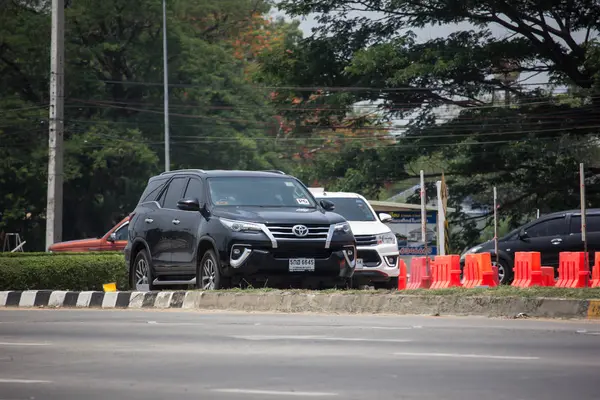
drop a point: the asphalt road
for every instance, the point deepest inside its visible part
(70, 354)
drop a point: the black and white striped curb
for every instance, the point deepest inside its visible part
(399, 303)
(93, 299)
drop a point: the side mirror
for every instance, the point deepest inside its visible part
(523, 234)
(189, 205)
(383, 217)
(327, 205)
(112, 237)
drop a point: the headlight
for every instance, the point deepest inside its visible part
(344, 226)
(386, 238)
(240, 226)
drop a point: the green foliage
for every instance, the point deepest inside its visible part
(62, 272)
(353, 169)
(114, 105)
(447, 88)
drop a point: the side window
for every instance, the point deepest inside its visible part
(122, 232)
(592, 223)
(152, 190)
(551, 227)
(173, 193)
(194, 190)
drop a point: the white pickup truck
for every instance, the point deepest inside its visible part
(377, 247)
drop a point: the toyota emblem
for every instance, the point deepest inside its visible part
(300, 230)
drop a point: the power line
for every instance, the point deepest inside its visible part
(311, 88)
(397, 107)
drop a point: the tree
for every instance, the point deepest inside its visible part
(113, 107)
(530, 150)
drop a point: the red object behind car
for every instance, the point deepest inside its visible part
(114, 240)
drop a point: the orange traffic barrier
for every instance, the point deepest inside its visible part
(419, 278)
(445, 272)
(528, 269)
(596, 272)
(496, 276)
(573, 271)
(548, 276)
(478, 271)
(401, 274)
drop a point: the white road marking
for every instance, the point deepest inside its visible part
(23, 381)
(278, 337)
(23, 344)
(457, 355)
(275, 392)
(585, 332)
(391, 328)
(334, 339)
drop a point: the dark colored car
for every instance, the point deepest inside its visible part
(213, 229)
(550, 235)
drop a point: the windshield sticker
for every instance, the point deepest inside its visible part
(303, 202)
(222, 202)
(289, 184)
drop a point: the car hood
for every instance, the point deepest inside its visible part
(368, 227)
(273, 215)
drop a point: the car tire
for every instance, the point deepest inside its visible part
(140, 274)
(208, 272)
(505, 271)
(392, 284)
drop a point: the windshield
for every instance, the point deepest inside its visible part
(258, 191)
(352, 209)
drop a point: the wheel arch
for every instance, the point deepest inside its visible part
(137, 246)
(206, 243)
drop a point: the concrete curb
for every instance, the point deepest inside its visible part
(291, 302)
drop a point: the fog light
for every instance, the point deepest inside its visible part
(349, 255)
(239, 254)
(392, 261)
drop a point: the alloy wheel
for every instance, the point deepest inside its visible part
(209, 274)
(142, 283)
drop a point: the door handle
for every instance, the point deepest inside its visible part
(176, 221)
(556, 241)
(149, 220)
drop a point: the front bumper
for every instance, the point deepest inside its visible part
(270, 262)
(379, 263)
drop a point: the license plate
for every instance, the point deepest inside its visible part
(359, 263)
(302, 264)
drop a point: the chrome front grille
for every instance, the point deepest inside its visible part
(366, 240)
(285, 232)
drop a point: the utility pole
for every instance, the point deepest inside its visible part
(54, 205)
(166, 89)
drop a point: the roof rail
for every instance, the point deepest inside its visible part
(275, 171)
(183, 170)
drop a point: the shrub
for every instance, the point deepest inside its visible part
(63, 271)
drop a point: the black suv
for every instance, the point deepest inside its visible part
(213, 229)
(550, 235)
